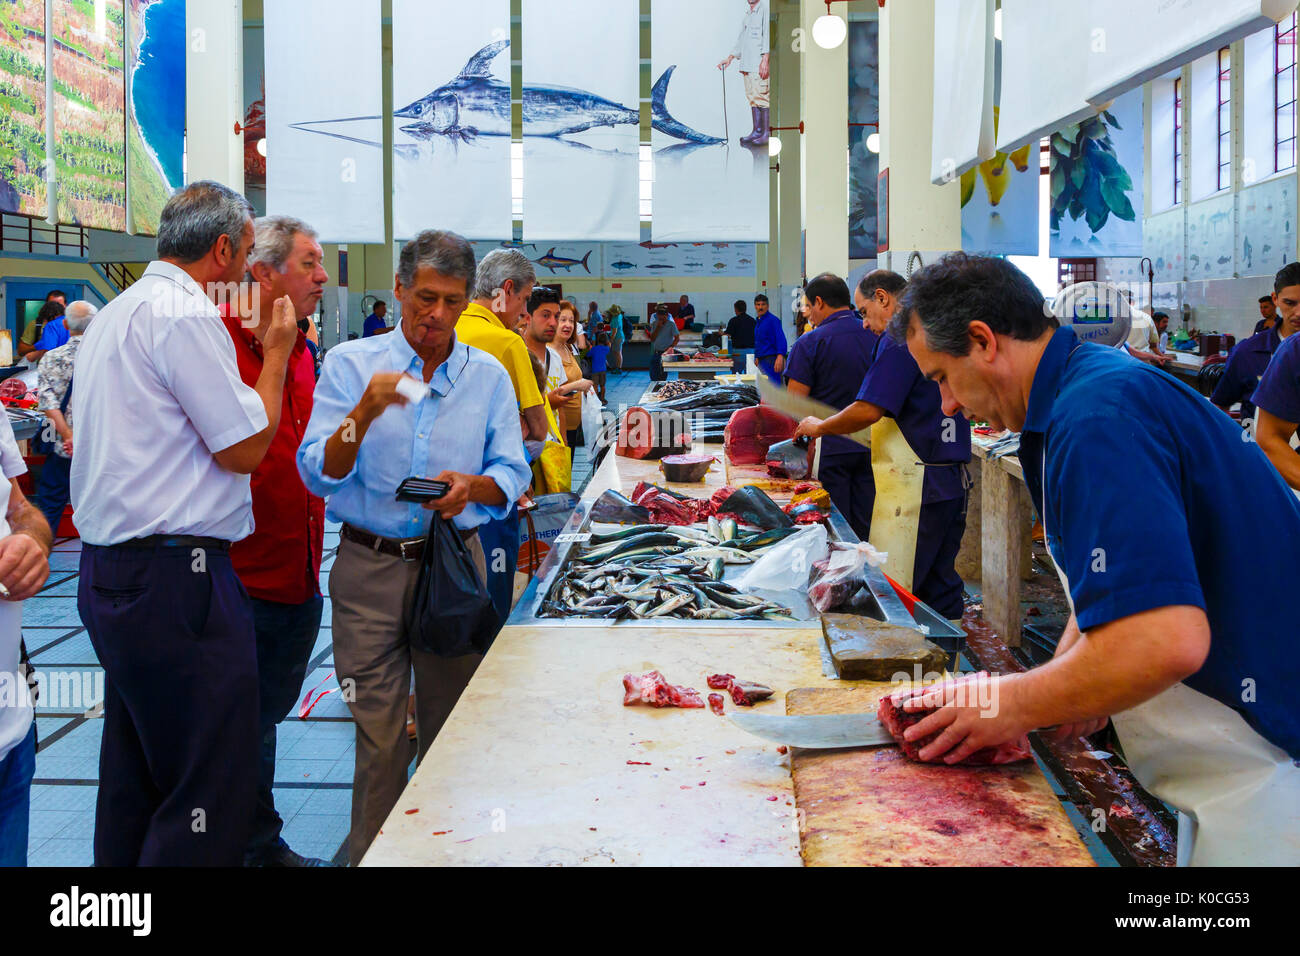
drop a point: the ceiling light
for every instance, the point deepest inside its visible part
(829, 31)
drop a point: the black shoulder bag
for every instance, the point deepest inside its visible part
(451, 613)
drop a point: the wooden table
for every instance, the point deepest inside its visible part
(997, 544)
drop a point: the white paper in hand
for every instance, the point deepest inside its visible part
(411, 390)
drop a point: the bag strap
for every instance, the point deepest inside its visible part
(534, 559)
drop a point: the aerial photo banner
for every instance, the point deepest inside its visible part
(155, 132)
(711, 171)
(451, 118)
(582, 119)
(22, 122)
(324, 132)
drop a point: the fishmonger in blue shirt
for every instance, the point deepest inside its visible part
(1157, 514)
(364, 437)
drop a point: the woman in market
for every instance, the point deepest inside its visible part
(569, 340)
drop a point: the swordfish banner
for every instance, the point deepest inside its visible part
(324, 106)
(582, 119)
(451, 117)
(710, 109)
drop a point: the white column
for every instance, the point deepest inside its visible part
(788, 231)
(825, 147)
(214, 96)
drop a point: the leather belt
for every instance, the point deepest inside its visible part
(175, 541)
(408, 549)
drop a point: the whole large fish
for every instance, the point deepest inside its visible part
(477, 103)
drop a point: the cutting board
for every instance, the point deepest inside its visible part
(779, 489)
(874, 807)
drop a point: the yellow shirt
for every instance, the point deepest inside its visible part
(479, 328)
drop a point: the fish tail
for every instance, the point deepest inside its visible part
(665, 122)
(584, 263)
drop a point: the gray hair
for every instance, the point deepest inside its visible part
(78, 316)
(197, 216)
(273, 240)
(500, 266)
(444, 252)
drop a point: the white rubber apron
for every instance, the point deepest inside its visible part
(1237, 795)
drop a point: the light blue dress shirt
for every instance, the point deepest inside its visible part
(469, 424)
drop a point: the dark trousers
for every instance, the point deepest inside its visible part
(178, 764)
(852, 486)
(657, 373)
(52, 494)
(17, 768)
(286, 634)
(938, 539)
(500, 540)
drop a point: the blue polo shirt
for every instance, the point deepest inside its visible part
(373, 325)
(1151, 498)
(941, 442)
(53, 335)
(769, 342)
(832, 360)
(1279, 387)
(1244, 368)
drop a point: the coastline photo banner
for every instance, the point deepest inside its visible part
(254, 118)
(89, 113)
(155, 132)
(711, 172)
(324, 138)
(451, 118)
(22, 123)
(864, 107)
(582, 119)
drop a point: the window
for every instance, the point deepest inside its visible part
(1225, 118)
(647, 166)
(1178, 140)
(517, 180)
(1284, 130)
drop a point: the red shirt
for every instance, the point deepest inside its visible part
(280, 560)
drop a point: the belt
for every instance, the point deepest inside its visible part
(408, 549)
(174, 541)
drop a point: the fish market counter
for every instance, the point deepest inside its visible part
(540, 762)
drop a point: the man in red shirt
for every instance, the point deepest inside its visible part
(279, 563)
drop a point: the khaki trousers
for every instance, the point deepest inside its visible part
(369, 592)
(757, 90)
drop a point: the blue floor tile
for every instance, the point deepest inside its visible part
(60, 852)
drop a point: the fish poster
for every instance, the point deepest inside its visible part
(451, 117)
(155, 131)
(324, 139)
(582, 119)
(864, 107)
(1162, 240)
(1096, 190)
(1267, 215)
(710, 113)
(90, 113)
(22, 120)
(1210, 239)
(556, 260)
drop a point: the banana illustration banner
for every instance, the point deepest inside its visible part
(999, 203)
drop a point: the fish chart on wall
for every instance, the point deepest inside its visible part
(451, 118)
(582, 119)
(89, 112)
(680, 259)
(324, 141)
(710, 109)
(1096, 192)
(22, 119)
(864, 107)
(156, 109)
(1163, 240)
(1268, 237)
(1210, 241)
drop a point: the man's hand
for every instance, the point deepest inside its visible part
(810, 426)
(725, 63)
(282, 333)
(764, 67)
(975, 712)
(23, 566)
(581, 385)
(380, 393)
(67, 446)
(457, 496)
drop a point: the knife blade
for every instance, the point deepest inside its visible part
(800, 407)
(816, 731)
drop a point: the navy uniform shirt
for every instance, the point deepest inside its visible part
(1279, 387)
(769, 342)
(1245, 365)
(1151, 499)
(895, 383)
(832, 360)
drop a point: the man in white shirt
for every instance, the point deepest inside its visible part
(752, 51)
(24, 566)
(1143, 339)
(167, 435)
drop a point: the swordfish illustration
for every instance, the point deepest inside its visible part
(477, 103)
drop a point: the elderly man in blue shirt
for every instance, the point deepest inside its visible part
(1193, 663)
(363, 439)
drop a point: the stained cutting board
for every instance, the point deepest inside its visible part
(874, 807)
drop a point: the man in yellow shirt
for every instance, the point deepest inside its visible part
(502, 285)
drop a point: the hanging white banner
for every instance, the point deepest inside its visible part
(582, 119)
(710, 125)
(324, 106)
(962, 135)
(451, 117)
(1044, 82)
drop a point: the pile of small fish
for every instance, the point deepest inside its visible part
(676, 388)
(652, 571)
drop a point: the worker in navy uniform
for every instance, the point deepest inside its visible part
(1249, 357)
(894, 387)
(1128, 469)
(1268, 313)
(828, 364)
(1278, 395)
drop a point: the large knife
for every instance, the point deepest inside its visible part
(817, 731)
(800, 407)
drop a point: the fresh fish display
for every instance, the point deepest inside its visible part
(676, 388)
(755, 507)
(613, 508)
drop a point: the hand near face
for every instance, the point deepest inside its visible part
(282, 334)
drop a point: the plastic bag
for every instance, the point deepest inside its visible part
(451, 613)
(785, 567)
(835, 581)
(593, 421)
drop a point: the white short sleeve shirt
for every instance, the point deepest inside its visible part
(15, 703)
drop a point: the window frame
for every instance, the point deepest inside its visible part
(1223, 176)
(1178, 140)
(1280, 141)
